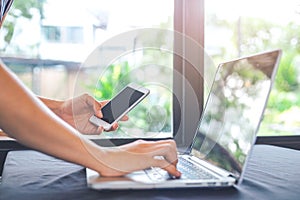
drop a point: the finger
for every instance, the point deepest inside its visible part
(124, 118)
(89, 100)
(99, 130)
(170, 168)
(98, 113)
(97, 109)
(167, 149)
(115, 126)
(98, 106)
(168, 141)
(95, 104)
(103, 103)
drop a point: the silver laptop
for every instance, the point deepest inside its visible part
(226, 133)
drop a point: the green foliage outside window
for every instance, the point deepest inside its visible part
(20, 9)
(251, 35)
(151, 116)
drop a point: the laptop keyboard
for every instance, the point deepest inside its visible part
(191, 171)
(187, 168)
(157, 174)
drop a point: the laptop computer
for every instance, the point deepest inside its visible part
(225, 135)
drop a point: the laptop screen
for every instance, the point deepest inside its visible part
(234, 110)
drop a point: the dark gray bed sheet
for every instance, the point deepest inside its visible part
(272, 173)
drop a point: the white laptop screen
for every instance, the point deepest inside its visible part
(234, 110)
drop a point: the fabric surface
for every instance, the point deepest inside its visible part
(272, 173)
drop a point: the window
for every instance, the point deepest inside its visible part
(51, 33)
(181, 70)
(65, 40)
(138, 49)
(59, 34)
(254, 26)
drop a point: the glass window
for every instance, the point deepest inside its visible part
(237, 28)
(48, 31)
(73, 34)
(60, 34)
(64, 34)
(51, 33)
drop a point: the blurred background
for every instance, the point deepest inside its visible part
(47, 43)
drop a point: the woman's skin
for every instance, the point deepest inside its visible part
(77, 111)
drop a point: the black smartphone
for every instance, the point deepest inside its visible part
(120, 105)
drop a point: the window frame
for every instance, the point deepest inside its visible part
(188, 21)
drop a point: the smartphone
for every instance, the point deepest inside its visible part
(120, 105)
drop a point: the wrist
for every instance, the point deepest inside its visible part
(53, 105)
(99, 158)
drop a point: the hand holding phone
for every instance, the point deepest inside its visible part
(120, 105)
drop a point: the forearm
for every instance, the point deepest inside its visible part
(25, 118)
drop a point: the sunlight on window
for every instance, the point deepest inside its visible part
(238, 28)
(56, 36)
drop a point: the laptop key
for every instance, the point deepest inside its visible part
(188, 169)
(191, 171)
(157, 174)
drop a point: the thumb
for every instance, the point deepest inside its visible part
(96, 105)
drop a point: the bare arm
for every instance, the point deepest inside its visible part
(25, 118)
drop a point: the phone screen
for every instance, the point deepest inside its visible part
(119, 104)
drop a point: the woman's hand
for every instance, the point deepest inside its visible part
(77, 111)
(140, 155)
